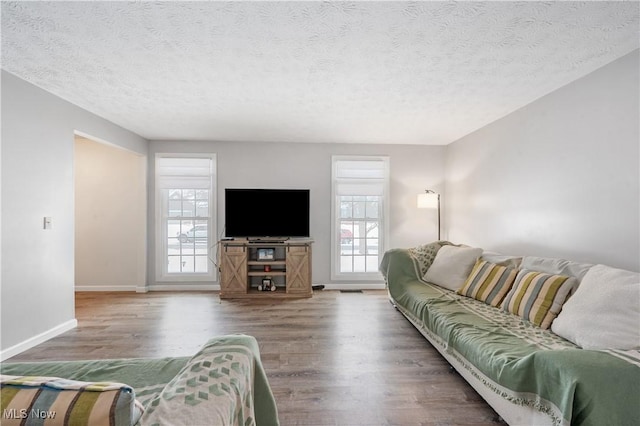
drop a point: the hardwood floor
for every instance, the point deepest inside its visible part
(334, 359)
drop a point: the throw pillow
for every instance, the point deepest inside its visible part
(423, 255)
(604, 312)
(502, 259)
(55, 401)
(538, 297)
(452, 266)
(488, 282)
(554, 266)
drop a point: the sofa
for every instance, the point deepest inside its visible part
(224, 383)
(542, 340)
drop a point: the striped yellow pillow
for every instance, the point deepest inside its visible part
(538, 297)
(488, 282)
(54, 401)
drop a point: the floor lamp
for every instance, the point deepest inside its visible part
(430, 200)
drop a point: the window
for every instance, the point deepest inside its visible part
(185, 203)
(360, 188)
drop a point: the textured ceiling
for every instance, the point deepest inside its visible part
(357, 72)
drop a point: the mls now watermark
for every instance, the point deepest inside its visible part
(23, 413)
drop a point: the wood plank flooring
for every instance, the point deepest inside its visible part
(334, 359)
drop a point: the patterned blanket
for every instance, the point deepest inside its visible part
(214, 387)
(515, 359)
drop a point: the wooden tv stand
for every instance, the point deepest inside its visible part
(242, 271)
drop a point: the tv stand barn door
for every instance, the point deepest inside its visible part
(246, 266)
(298, 269)
(233, 270)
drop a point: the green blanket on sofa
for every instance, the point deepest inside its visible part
(223, 383)
(515, 359)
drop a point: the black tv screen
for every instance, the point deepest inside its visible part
(266, 213)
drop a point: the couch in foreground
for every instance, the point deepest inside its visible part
(496, 320)
(222, 384)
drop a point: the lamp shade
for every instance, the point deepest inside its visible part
(428, 200)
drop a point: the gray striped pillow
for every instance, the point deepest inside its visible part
(56, 401)
(538, 297)
(488, 282)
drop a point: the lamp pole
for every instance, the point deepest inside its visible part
(438, 217)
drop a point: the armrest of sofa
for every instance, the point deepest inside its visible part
(397, 263)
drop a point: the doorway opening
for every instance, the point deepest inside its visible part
(110, 217)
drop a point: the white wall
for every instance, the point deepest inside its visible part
(557, 178)
(37, 294)
(308, 165)
(110, 218)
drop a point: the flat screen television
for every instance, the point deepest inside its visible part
(259, 213)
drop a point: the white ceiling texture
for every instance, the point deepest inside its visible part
(355, 72)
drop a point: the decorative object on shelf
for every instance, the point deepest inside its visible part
(267, 268)
(430, 200)
(266, 253)
(267, 285)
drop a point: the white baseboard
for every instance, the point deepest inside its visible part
(183, 287)
(146, 289)
(36, 340)
(355, 286)
(106, 288)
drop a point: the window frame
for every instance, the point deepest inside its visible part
(383, 231)
(162, 217)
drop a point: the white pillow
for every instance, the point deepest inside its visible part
(555, 266)
(451, 266)
(604, 312)
(502, 259)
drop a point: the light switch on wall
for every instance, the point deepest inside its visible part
(47, 222)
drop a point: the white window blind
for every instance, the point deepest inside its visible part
(360, 177)
(192, 173)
